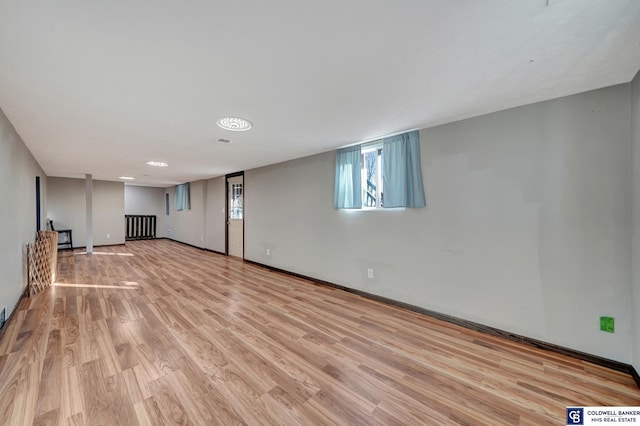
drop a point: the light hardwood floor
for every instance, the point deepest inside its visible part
(156, 332)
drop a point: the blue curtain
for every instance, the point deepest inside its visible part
(183, 197)
(347, 193)
(402, 172)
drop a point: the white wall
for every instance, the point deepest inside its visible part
(188, 226)
(18, 170)
(215, 214)
(204, 225)
(67, 209)
(145, 200)
(635, 121)
(527, 227)
(108, 212)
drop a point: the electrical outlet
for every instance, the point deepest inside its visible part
(108, 236)
(370, 273)
(201, 237)
(607, 324)
(268, 252)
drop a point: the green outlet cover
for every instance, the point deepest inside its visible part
(607, 324)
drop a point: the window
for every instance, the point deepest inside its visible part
(236, 201)
(392, 164)
(372, 189)
(183, 197)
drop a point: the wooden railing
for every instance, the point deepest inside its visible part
(42, 261)
(140, 227)
(371, 194)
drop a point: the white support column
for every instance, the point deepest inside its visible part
(89, 210)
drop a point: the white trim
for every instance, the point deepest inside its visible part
(375, 209)
(377, 138)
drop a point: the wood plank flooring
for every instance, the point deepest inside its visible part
(156, 332)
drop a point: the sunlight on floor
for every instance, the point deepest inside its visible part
(126, 285)
(104, 253)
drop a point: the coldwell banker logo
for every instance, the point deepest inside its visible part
(575, 416)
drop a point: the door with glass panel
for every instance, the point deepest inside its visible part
(235, 216)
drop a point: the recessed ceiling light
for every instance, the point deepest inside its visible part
(235, 124)
(127, 178)
(221, 140)
(157, 163)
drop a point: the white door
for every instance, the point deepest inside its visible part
(235, 220)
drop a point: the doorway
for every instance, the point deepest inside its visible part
(235, 215)
(38, 205)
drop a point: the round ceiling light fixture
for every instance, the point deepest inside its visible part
(157, 163)
(127, 178)
(235, 124)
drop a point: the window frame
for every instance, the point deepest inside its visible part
(374, 146)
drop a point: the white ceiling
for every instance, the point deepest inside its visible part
(102, 87)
